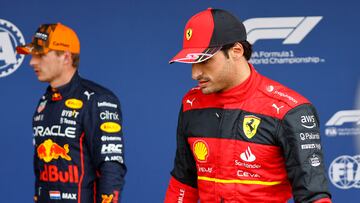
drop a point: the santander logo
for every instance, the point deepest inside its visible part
(248, 156)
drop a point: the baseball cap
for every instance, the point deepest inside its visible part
(206, 32)
(51, 37)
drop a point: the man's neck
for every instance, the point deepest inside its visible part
(64, 79)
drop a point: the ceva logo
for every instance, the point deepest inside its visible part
(10, 37)
(292, 29)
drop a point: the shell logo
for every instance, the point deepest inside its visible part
(201, 150)
(74, 103)
(110, 127)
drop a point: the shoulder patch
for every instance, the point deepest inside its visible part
(279, 92)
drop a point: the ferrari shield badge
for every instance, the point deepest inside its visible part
(250, 125)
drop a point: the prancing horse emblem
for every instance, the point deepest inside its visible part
(250, 125)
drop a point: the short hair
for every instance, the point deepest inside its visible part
(246, 45)
(75, 58)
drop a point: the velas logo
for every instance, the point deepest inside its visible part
(110, 127)
(10, 37)
(201, 150)
(292, 29)
(74, 103)
(49, 150)
(188, 34)
(250, 125)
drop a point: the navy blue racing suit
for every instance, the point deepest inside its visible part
(79, 144)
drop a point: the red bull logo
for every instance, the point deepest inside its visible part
(51, 173)
(107, 198)
(49, 150)
(112, 198)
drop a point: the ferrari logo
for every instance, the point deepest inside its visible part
(250, 125)
(188, 33)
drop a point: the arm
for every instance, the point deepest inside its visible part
(183, 183)
(299, 137)
(106, 144)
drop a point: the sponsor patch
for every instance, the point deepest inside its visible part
(49, 150)
(74, 103)
(111, 148)
(106, 104)
(51, 173)
(250, 125)
(107, 198)
(314, 160)
(110, 127)
(201, 150)
(308, 121)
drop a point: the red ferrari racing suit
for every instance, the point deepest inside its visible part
(257, 142)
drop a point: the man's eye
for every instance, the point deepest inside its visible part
(206, 61)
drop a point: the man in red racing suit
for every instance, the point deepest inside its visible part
(241, 137)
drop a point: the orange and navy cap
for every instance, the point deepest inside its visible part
(52, 37)
(205, 34)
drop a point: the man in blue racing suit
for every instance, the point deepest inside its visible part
(77, 125)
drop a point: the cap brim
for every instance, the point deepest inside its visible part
(29, 49)
(194, 55)
(26, 49)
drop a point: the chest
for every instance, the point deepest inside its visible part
(58, 120)
(233, 124)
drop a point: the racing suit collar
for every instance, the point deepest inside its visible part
(56, 94)
(241, 91)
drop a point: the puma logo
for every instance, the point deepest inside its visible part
(277, 108)
(190, 101)
(88, 94)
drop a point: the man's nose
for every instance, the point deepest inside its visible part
(196, 71)
(33, 60)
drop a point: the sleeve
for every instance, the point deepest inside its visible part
(183, 183)
(299, 137)
(106, 144)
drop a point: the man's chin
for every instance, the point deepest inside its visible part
(42, 79)
(207, 91)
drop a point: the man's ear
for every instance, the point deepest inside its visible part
(237, 51)
(67, 58)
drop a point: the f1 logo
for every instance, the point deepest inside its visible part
(345, 116)
(292, 29)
